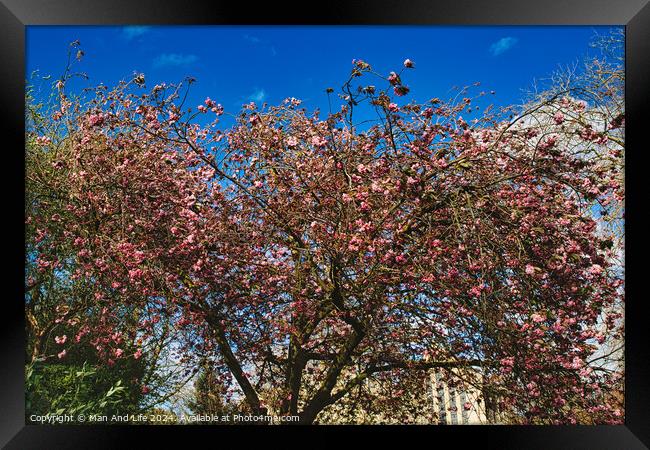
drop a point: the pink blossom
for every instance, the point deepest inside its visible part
(95, 119)
(60, 340)
(43, 140)
(559, 402)
(62, 354)
(595, 269)
(537, 318)
(476, 291)
(549, 142)
(580, 105)
(318, 141)
(360, 63)
(401, 90)
(380, 209)
(408, 64)
(508, 362)
(135, 274)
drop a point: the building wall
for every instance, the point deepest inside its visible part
(461, 405)
(434, 403)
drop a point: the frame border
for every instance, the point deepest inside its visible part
(15, 15)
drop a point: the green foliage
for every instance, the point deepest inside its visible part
(209, 397)
(77, 389)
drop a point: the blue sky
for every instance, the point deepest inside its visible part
(238, 64)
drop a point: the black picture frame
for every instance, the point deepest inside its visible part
(15, 15)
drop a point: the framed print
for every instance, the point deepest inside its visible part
(379, 218)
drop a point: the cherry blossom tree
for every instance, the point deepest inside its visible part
(310, 257)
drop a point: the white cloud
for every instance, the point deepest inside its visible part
(257, 96)
(174, 59)
(253, 39)
(132, 32)
(502, 45)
